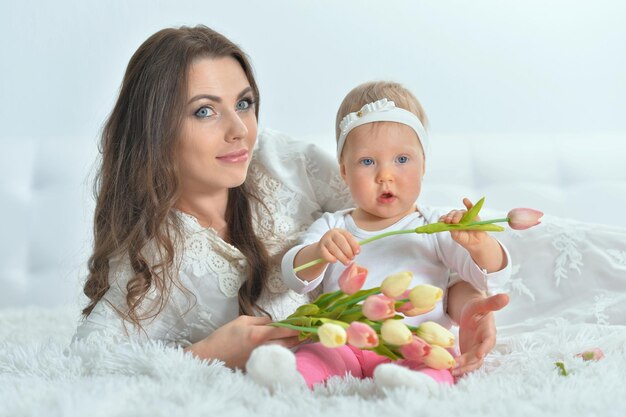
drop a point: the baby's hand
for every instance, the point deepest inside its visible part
(465, 238)
(338, 245)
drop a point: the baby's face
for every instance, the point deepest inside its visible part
(383, 165)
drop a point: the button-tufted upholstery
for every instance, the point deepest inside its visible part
(46, 199)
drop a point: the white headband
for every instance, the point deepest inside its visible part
(382, 110)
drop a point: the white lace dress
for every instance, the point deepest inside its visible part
(296, 182)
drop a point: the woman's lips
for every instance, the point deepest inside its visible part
(234, 157)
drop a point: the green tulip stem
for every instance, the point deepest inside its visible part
(363, 242)
(355, 298)
(429, 228)
(294, 327)
(503, 220)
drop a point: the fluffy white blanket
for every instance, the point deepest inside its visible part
(40, 375)
(568, 294)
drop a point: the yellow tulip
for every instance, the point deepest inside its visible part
(435, 334)
(395, 332)
(332, 335)
(424, 296)
(439, 358)
(395, 285)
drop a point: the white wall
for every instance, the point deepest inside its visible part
(479, 67)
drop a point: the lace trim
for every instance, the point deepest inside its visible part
(566, 242)
(618, 256)
(276, 216)
(334, 190)
(517, 283)
(204, 251)
(601, 303)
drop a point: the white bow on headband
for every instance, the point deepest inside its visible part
(382, 110)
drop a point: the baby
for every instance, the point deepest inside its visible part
(382, 148)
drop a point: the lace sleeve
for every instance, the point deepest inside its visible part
(331, 192)
(105, 320)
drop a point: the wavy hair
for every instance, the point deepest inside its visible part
(137, 184)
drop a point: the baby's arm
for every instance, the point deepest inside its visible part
(335, 245)
(486, 251)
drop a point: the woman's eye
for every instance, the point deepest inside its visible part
(204, 112)
(367, 161)
(244, 104)
(403, 159)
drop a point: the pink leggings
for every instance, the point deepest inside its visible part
(317, 363)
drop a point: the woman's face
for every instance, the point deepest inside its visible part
(219, 128)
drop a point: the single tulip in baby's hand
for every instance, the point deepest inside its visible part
(459, 221)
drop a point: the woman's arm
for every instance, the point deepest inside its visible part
(234, 342)
(473, 312)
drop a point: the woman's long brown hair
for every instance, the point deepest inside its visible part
(137, 184)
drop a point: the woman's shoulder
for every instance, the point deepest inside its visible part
(276, 149)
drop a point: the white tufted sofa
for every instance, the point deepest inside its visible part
(46, 200)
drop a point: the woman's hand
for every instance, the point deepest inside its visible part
(233, 342)
(477, 332)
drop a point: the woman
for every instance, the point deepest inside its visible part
(193, 214)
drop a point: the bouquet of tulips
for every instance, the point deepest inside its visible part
(370, 319)
(373, 318)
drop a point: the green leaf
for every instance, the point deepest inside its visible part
(299, 321)
(384, 350)
(561, 368)
(334, 313)
(432, 228)
(327, 298)
(305, 310)
(471, 214)
(350, 316)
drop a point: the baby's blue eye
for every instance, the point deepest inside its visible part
(204, 112)
(403, 159)
(367, 161)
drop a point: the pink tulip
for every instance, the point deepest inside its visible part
(416, 350)
(524, 218)
(361, 335)
(378, 307)
(352, 278)
(594, 354)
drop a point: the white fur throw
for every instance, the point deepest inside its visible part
(41, 376)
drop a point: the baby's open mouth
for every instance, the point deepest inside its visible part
(387, 197)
